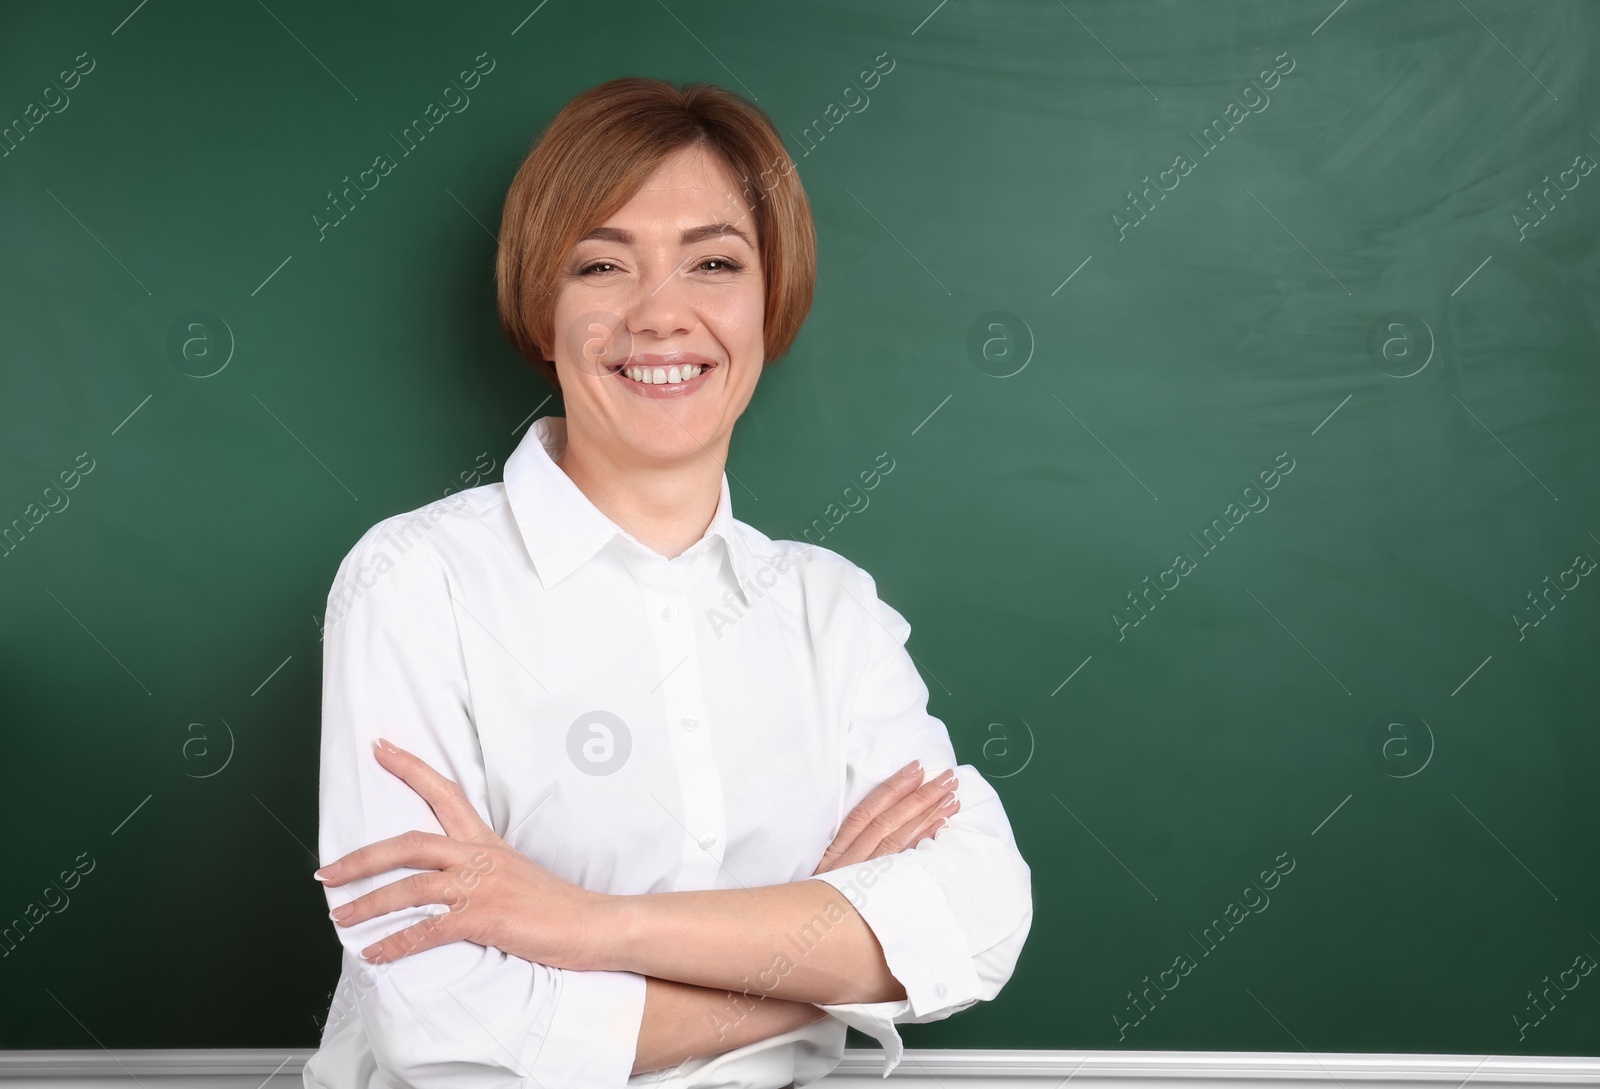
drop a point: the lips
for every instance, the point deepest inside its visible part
(670, 359)
(665, 364)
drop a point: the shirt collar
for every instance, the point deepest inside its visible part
(563, 530)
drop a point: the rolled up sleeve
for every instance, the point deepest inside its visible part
(459, 1014)
(952, 913)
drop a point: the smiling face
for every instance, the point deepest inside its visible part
(671, 282)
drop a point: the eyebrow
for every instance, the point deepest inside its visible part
(687, 238)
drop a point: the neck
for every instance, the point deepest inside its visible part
(665, 505)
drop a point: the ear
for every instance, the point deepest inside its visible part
(540, 346)
(549, 371)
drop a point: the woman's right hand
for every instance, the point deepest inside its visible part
(898, 814)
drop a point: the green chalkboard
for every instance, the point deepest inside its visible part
(1236, 361)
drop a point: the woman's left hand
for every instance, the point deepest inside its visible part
(497, 895)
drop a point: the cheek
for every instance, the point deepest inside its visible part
(736, 320)
(737, 328)
(585, 328)
(562, 316)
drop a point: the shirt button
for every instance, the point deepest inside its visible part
(938, 989)
(690, 723)
(669, 613)
(708, 841)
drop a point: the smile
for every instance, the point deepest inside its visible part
(660, 376)
(653, 376)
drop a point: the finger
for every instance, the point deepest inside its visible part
(864, 838)
(849, 846)
(911, 837)
(881, 798)
(909, 812)
(443, 795)
(433, 931)
(416, 849)
(911, 808)
(413, 891)
(927, 831)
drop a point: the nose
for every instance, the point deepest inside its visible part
(662, 304)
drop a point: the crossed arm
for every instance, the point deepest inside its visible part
(684, 1021)
(708, 957)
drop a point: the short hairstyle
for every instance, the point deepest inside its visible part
(592, 158)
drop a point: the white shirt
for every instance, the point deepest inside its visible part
(634, 724)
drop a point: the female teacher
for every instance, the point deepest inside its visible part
(615, 789)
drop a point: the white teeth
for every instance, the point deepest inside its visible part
(661, 376)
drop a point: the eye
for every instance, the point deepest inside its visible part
(729, 266)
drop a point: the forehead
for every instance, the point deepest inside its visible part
(691, 185)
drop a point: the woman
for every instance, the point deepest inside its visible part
(649, 805)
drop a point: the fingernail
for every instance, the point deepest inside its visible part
(911, 768)
(386, 746)
(949, 803)
(326, 873)
(341, 913)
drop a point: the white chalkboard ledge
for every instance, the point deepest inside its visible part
(280, 1069)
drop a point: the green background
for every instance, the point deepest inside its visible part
(1436, 880)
